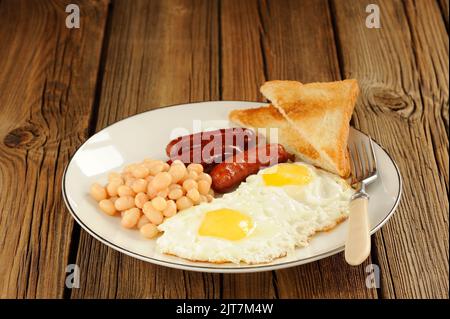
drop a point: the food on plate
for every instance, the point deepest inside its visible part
(210, 147)
(230, 173)
(313, 120)
(266, 217)
(147, 193)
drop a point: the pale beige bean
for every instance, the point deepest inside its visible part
(203, 199)
(130, 217)
(141, 199)
(153, 215)
(184, 203)
(113, 199)
(129, 181)
(176, 193)
(193, 195)
(129, 168)
(156, 168)
(140, 171)
(178, 162)
(107, 206)
(149, 178)
(124, 203)
(139, 185)
(192, 175)
(152, 192)
(198, 168)
(206, 177)
(124, 190)
(165, 167)
(159, 203)
(112, 187)
(171, 209)
(162, 180)
(98, 192)
(203, 187)
(114, 176)
(142, 221)
(178, 171)
(149, 231)
(189, 184)
(211, 192)
(209, 198)
(163, 193)
(173, 186)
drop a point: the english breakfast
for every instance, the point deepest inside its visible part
(238, 195)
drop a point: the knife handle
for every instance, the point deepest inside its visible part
(357, 246)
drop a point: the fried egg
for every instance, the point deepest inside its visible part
(267, 217)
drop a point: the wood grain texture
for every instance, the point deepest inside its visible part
(47, 87)
(444, 10)
(158, 53)
(278, 40)
(402, 69)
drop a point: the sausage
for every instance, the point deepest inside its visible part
(211, 147)
(227, 175)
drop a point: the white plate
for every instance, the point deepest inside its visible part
(146, 135)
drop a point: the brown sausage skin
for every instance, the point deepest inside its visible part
(209, 148)
(229, 174)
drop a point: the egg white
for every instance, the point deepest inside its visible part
(285, 217)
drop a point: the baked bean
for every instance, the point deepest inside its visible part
(152, 192)
(203, 186)
(140, 171)
(166, 167)
(113, 199)
(206, 177)
(149, 231)
(163, 193)
(130, 217)
(112, 187)
(171, 209)
(153, 215)
(184, 203)
(98, 192)
(124, 203)
(203, 199)
(157, 167)
(175, 193)
(129, 181)
(178, 171)
(107, 206)
(192, 175)
(149, 178)
(142, 221)
(159, 203)
(162, 180)
(193, 195)
(115, 177)
(189, 184)
(124, 190)
(141, 199)
(209, 198)
(129, 168)
(198, 168)
(139, 185)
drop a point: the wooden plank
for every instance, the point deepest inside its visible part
(47, 87)
(444, 9)
(403, 72)
(158, 53)
(276, 36)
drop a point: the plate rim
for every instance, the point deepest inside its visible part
(238, 269)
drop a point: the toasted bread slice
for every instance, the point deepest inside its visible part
(263, 119)
(320, 113)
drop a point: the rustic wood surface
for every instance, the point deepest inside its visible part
(58, 86)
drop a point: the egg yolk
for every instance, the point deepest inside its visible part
(226, 223)
(287, 174)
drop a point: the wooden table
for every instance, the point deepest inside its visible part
(58, 86)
